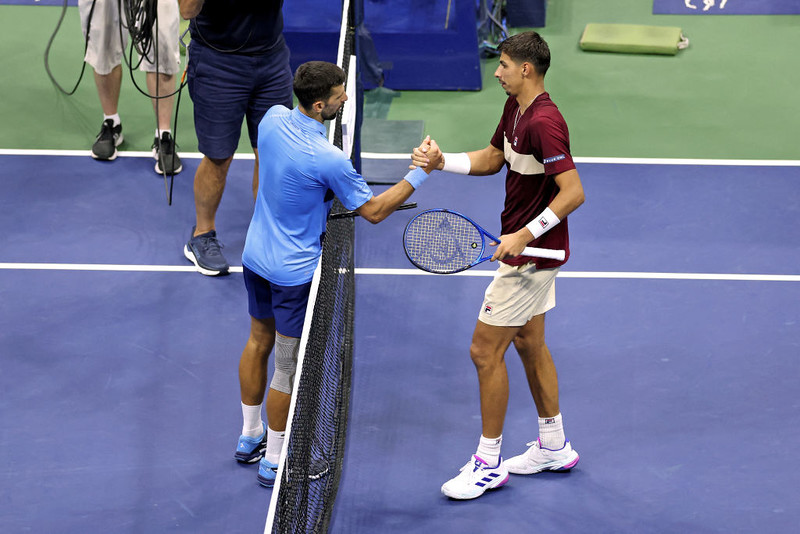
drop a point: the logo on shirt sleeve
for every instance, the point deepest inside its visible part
(555, 158)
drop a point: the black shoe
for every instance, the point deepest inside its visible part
(204, 251)
(106, 143)
(167, 159)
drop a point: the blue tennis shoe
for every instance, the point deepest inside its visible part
(250, 450)
(267, 471)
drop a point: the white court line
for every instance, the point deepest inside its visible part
(103, 267)
(88, 153)
(641, 161)
(688, 161)
(608, 275)
(403, 156)
(415, 272)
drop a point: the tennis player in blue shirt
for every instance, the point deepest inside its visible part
(297, 170)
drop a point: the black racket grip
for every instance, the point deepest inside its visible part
(348, 214)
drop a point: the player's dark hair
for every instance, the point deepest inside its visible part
(315, 81)
(530, 47)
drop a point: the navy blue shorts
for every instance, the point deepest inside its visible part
(287, 304)
(226, 88)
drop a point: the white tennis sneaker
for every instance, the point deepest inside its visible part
(475, 478)
(537, 459)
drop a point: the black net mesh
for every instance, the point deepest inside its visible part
(312, 468)
(313, 463)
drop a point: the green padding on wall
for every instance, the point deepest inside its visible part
(379, 135)
(184, 25)
(633, 39)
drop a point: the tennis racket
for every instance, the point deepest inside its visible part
(445, 242)
(349, 214)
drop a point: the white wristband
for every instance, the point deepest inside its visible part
(542, 223)
(457, 162)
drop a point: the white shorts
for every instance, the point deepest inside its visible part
(104, 51)
(517, 294)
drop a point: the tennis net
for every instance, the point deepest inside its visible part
(311, 463)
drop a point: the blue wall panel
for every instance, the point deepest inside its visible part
(526, 13)
(421, 45)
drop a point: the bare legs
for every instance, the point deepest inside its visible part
(489, 345)
(209, 184)
(108, 89)
(162, 106)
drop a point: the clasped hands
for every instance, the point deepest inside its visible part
(427, 156)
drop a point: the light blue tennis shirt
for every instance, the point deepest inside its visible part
(297, 167)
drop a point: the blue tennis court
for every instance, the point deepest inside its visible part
(675, 336)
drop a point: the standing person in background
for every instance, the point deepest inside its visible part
(542, 188)
(107, 37)
(238, 68)
(284, 244)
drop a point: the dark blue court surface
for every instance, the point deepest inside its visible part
(120, 401)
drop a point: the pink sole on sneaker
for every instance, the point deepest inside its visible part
(569, 465)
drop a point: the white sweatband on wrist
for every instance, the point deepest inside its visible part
(457, 162)
(416, 177)
(542, 223)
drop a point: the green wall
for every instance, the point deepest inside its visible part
(732, 94)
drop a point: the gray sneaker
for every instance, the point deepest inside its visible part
(205, 252)
(106, 143)
(167, 160)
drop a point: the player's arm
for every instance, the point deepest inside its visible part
(190, 8)
(570, 193)
(569, 197)
(483, 162)
(381, 206)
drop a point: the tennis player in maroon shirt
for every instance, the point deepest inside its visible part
(542, 189)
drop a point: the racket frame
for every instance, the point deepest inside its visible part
(484, 234)
(528, 251)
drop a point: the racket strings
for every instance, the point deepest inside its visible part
(443, 242)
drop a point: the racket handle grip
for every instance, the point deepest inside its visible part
(548, 253)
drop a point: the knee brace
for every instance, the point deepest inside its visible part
(286, 349)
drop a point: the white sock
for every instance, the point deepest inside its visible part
(114, 118)
(551, 433)
(252, 425)
(274, 445)
(489, 450)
